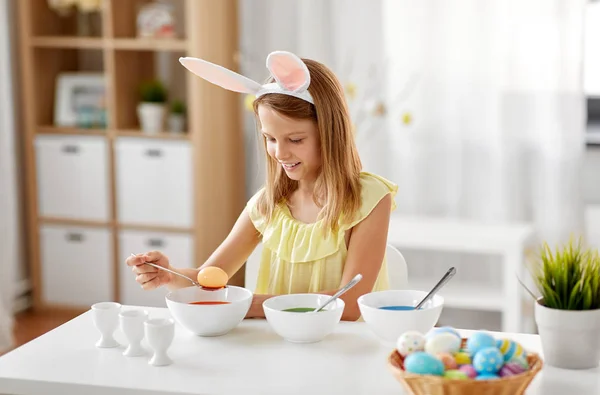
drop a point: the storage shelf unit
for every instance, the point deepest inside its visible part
(96, 195)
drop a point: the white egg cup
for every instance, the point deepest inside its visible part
(132, 326)
(159, 334)
(106, 320)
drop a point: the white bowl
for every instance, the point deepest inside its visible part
(302, 327)
(209, 320)
(390, 324)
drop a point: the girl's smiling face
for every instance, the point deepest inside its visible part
(292, 143)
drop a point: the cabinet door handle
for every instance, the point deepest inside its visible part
(75, 237)
(156, 243)
(153, 152)
(70, 149)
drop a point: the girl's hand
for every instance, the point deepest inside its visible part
(147, 276)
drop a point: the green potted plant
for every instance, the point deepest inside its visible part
(151, 109)
(177, 116)
(568, 312)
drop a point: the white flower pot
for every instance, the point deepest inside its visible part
(176, 123)
(570, 338)
(151, 117)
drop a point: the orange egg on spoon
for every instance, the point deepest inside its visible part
(212, 277)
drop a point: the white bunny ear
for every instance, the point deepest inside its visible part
(289, 71)
(221, 76)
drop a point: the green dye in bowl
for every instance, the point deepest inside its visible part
(300, 309)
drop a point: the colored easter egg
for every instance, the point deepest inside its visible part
(420, 362)
(462, 358)
(478, 341)
(520, 360)
(448, 360)
(469, 370)
(410, 342)
(212, 277)
(509, 348)
(443, 329)
(455, 375)
(442, 342)
(487, 376)
(511, 369)
(488, 360)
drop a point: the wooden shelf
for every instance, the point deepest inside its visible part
(67, 42)
(161, 135)
(61, 130)
(133, 44)
(119, 226)
(73, 222)
(147, 44)
(84, 222)
(151, 228)
(71, 131)
(50, 46)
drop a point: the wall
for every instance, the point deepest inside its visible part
(9, 217)
(591, 166)
(22, 272)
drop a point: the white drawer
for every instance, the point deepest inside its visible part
(154, 182)
(76, 265)
(177, 246)
(72, 177)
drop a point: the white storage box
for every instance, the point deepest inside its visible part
(76, 265)
(73, 180)
(154, 182)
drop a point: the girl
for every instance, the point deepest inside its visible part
(320, 219)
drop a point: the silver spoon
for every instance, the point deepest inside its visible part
(196, 283)
(449, 274)
(345, 288)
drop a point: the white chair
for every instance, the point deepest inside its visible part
(251, 268)
(397, 269)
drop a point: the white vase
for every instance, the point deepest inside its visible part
(570, 338)
(176, 123)
(151, 117)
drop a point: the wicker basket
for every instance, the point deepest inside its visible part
(434, 385)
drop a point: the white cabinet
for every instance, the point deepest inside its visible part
(591, 56)
(592, 225)
(154, 182)
(76, 265)
(72, 176)
(178, 247)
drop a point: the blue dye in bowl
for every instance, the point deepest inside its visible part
(397, 308)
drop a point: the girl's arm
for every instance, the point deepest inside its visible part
(366, 251)
(231, 253)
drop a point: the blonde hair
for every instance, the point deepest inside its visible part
(337, 189)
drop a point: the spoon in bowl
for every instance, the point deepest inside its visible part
(345, 288)
(196, 283)
(449, 274)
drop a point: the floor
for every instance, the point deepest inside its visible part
(30, 325)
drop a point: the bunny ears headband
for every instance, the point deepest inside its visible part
(289, 71)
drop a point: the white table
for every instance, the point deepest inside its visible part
(251, 359)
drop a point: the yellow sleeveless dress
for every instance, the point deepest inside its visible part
(298, 258)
